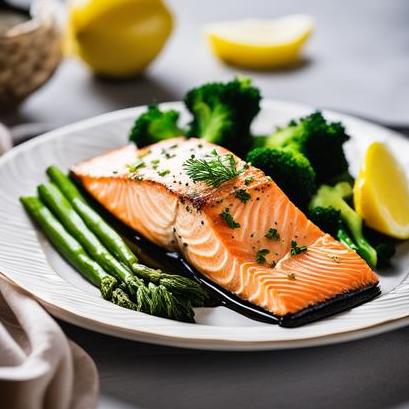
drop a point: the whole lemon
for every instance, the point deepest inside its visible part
(118, 38)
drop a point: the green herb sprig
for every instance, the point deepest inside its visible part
(261, 255)
(272, 234)
(163, 172)
(296, 249)
(214, 169)
(228, 218)
(134, 167)
(242, 195)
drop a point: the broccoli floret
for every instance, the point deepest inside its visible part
(385, 246)
(385, 252)
(155, 125)
(290, 170)
(319, 140)
(335, 197)
(223, 112)
(327, 219)
(330, 221)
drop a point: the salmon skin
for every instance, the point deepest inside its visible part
(265, 251)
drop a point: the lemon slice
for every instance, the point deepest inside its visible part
(381, 193)
(260, 43)
(118, 38)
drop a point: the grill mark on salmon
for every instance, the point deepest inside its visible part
(177, 214)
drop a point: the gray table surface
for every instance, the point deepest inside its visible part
(357, 61)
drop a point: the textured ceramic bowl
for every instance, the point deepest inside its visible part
(30, 51)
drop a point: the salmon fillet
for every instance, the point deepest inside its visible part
(160, 201)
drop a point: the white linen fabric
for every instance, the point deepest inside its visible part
(39, 367)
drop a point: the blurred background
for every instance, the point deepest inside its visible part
(356, 60)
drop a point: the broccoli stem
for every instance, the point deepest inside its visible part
(210, 123)
(344, 237)
(354, 223)
(328, 196)
(284, 138)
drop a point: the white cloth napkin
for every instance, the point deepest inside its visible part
(39, 367)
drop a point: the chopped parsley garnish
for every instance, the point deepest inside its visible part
(163, 172)
(134, 167)
(213, 170)
(228, 218)
(248, 180)
(272, 234)
(242, 195)
(155, 163)
(261, 255)
(296, 249)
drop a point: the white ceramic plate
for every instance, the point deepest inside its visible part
(30, 262)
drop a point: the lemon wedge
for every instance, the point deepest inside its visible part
(381, 193)
(260, 43)
(118, 38)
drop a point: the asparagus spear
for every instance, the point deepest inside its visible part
(93, 220)
(73, 252)
(68, 217)
(183, 286)
(153, 300)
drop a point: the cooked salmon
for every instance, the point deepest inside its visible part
(259, 246)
